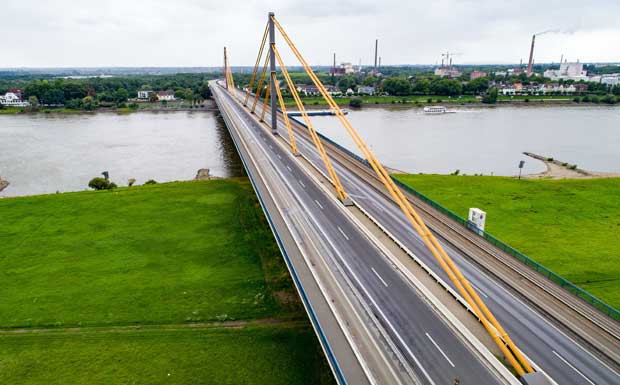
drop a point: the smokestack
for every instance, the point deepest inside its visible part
(379, 61)
(531, 61)
(561, 58)
(442, 62)
(450, 61)
(334, 66)
(376, 49)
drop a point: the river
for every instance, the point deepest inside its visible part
(485, 140)
(45, 153)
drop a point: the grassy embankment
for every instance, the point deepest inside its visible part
(569, 226)
(423, 100)
(176, 283)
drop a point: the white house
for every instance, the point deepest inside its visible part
(572, 71)
(12, 100)
(165, 95)
(366, 90)
(144, 94)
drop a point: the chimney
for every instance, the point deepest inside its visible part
(376, 49)
(530, 63)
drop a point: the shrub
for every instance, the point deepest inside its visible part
(549, 159)
(565, 164)
(577, 99)
(456, 172)
(429, 100)
(585, 99)
(609, 99)
(594, 99)
(526, 100)
(150, 181)
(112, 185)
(573, 166)
(355, 102)
(99, 183)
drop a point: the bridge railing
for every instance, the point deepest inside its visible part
(541, 269)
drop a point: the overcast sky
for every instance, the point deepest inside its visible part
(71, 33)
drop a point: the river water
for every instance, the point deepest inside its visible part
(485, 140)
(45, 153)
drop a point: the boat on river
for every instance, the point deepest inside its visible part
(435, 110)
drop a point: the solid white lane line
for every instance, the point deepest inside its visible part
(572, 367)
(438, 348)
(478, 290)
(378, 276)
(317, 202)
(343, 234)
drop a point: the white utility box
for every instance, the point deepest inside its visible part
(476, 219)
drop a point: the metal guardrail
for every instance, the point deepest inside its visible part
(563, 282)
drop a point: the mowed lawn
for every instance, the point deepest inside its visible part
(126, 286)
(571, 226)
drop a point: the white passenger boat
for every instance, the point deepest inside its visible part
(435, 110)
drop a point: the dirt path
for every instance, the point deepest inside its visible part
(292, 323)
(562, 170)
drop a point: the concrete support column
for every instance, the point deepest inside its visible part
(272, 66)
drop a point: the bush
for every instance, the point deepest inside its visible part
(595, 99)
(572, 167)
(577, 99)
(526, 100)
(429, 100)
(150, 181)
(355, 102)
(609, 99)
(585, 99)
(99, 183)
(549, 159)
(456, 172)
(490, 97)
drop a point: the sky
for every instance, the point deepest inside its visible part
(162, 33)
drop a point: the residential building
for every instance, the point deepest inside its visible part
(477, 74)
(611, 79)
(144, 94)
(307, 90)
(366, 90)
(165, 95)
(11, 99)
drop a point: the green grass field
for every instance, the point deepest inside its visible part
(117, 287)
(569, 226)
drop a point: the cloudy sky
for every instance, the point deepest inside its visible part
(71, 33)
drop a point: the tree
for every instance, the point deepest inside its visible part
(99, 183)
(346, 82)
(121, 95)
(396, 86)
(153, 97)
(89, 103)
(490, 97)
(205, 91)
(370, 80)
(421, 86)
(447, 87)
(477, 86)
(34, 103)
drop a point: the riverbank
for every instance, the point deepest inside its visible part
(463, 100)
(569, 225)
(563, 170)
(158, 283)
(207, 105)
